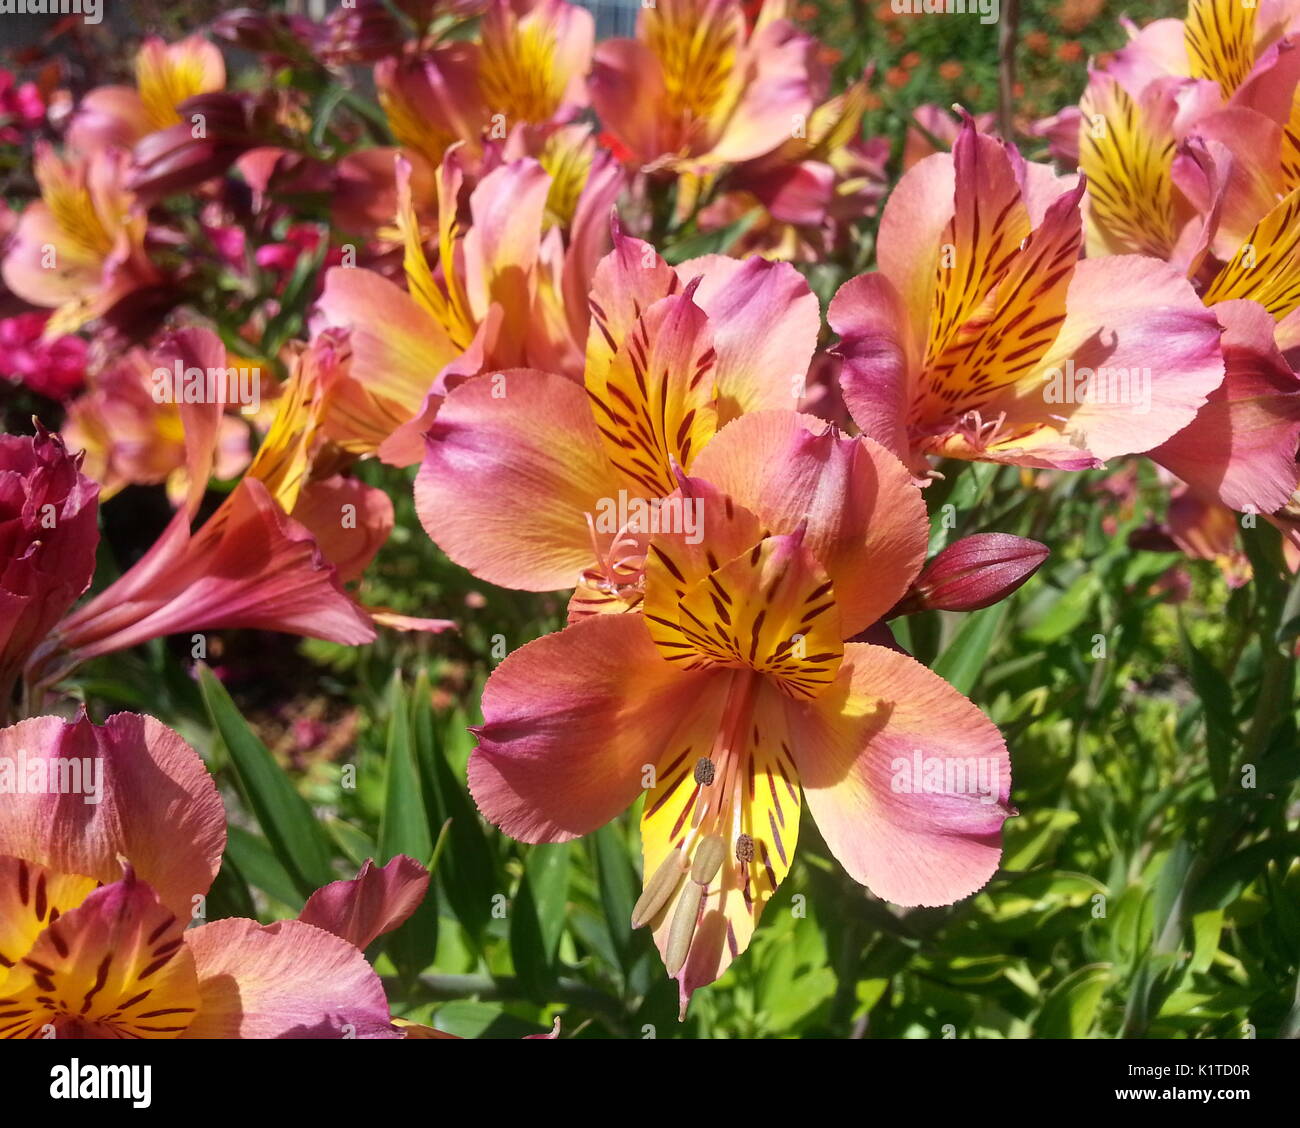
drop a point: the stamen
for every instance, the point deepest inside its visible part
(744, 849)
(682, 931)
(708, 860)
(704, 771)
(659, 889)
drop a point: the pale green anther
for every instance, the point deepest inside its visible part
(682, 931)
(658, 889)
(709, 856)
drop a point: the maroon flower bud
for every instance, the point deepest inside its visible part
(215, 130)
(273, 32)
(48, 534)
(974, 572)
(360, 34)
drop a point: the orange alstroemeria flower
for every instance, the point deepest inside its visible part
(508, 290)
(734, 697)
(696, 90)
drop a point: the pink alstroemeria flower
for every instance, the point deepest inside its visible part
(983, 336)
(48, 535)
(509, 290)
(98, 884)
(54, 368)
(166, 74)
(696, 90)
(79, 250)
(533, 481)
(528, 68)
(129, 439)
(734, 698)
(274, 555)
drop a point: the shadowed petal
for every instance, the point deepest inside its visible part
(283, 980)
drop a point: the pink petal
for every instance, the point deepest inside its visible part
(764, 320)
(376, 901)
(877, 373)
(349, 520)
(283, 980)
(573, 722)
(859, 502)
(858, 749)
(158, 807)
(627, 89)
(1133, 312)
(1241, 446)
(514, 463)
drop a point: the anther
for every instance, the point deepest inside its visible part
(704, 771)
(708, 859)
(658, 889)
(682, 931)
(744, 848)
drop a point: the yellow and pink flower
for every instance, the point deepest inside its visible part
(98, 888)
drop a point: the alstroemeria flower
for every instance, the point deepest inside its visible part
(166, 74)
(1225, 77)
(55, 368)
(1240, 450)
(97, 887)
(129, 439)
(735, 698)
(528, 68)
(79, 250)
(253, 563)
(983, 336)
(504, 292)
(697, 90)
(810, 189)
(533, 481)
(48, 536)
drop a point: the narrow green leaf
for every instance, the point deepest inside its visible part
(285, 817)
(404, 825)
(964, 657)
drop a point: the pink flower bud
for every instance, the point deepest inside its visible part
(48, 535)
(974, 572)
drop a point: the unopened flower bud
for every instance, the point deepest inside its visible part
(974, 572)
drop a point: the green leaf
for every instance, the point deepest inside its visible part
(1216, 702)
(964, 657)
(1071, 1007)
(467, 870)
(537, 917)
(404, 825)
(253, 859)
(710, 242)
(617, 881)
(291, 830)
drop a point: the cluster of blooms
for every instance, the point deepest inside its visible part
(587, 416)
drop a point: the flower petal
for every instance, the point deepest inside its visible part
(513, 464)
(115, 966)
(859, 501)
(378, 900)
(764, 320)
(158, 806)
(571, 722)
(859, 744)
(1241, 446)
(283, 980)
